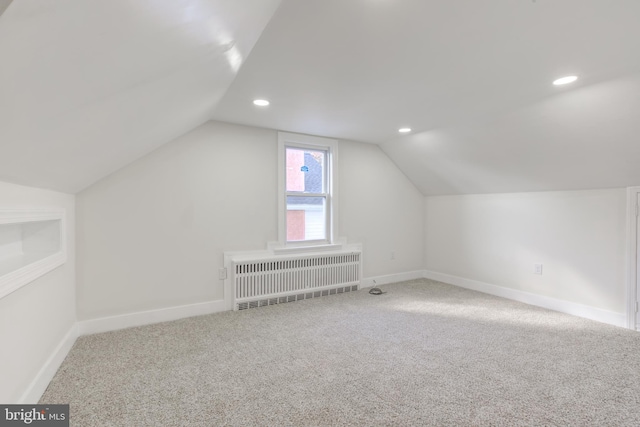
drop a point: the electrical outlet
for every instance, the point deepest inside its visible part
(393, 255)
(537, 269)
(222, 273)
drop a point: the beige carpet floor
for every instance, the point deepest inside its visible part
(425, 353)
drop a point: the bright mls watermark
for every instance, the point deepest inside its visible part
(34, 415)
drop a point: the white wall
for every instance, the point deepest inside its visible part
(152, 235)
(380, 208)
(578, 236)
(36, 318)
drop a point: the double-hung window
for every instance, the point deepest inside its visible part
(307, 185)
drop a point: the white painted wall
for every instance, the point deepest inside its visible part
(152, 235)
(36, 318)
(380, 208)
(578, 236)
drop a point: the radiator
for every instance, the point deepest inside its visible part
(262, 282)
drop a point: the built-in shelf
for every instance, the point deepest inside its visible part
(32, 243)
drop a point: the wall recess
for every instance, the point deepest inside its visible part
(32, 243)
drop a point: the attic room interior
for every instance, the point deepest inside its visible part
(197, 197)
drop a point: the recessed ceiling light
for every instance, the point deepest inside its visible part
(260, 102)
(565, 80)
(404, 130)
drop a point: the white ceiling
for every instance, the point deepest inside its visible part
(88, 86)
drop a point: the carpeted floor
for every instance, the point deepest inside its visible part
(425, 353)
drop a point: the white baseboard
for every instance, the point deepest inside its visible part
(593, 313)
(112, 323)
(391, 278)
(37, 387)
(39, 384)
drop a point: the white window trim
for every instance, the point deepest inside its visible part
(286, 139)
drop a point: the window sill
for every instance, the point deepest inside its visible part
(305, 249)
(279, 248)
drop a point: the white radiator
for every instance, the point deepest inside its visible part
(280, 279)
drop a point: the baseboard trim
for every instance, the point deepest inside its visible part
(391, 278)
(39, 384)
(37, 387)
(592, 313)
(123, 321)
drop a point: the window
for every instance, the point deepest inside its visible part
(307, 189)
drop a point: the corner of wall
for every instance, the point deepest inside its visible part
(39, 384)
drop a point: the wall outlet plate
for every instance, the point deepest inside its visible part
(222, 274)
(537, 269)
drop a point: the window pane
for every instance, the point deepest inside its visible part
(305, 170)
(306, 218)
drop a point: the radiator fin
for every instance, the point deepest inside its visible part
(290, 298)
(276, 281)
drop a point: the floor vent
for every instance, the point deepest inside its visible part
(281, 279)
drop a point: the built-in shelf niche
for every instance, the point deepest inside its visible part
(32, 243)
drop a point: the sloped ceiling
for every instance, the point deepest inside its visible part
(473, 79)
(87, 86)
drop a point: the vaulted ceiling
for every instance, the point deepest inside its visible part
(88, 86)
